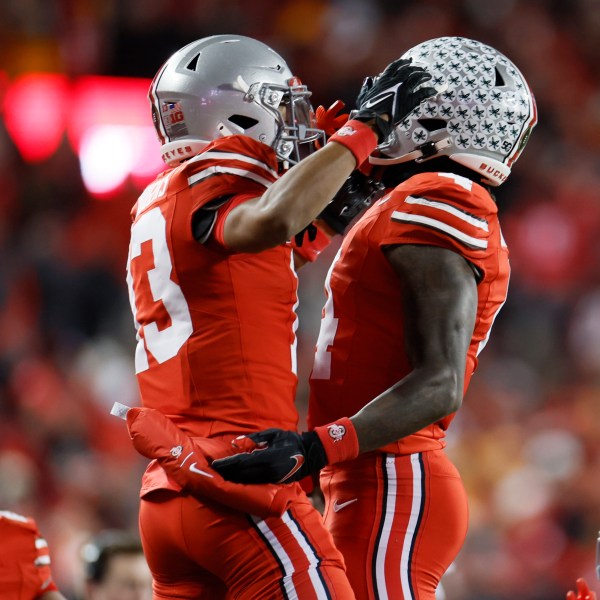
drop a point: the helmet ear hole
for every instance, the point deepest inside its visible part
(432, 124)
(499, 79)
(193, 64)
(243, 121)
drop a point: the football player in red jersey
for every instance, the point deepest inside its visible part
(24, 561)
(411, 299)
(213, 289)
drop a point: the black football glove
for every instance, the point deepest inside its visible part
(280, 457)
(392, 94)
(310, 231)
(357, 193)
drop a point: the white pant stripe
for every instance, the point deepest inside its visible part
(388, 520)
(285, 561)
(282, 556)
(412, 527)
(313, 559)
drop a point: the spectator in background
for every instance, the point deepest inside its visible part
(24, 561)
(115, 568)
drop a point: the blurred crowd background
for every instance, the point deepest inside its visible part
(527, 440)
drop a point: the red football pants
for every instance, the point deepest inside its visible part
(399, 521)
(204, 551)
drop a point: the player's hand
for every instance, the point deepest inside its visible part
(357, 193)
(329, 119)
(583, 591)
(187, 462)
(310, 232)
(391, 96)
(273, 456)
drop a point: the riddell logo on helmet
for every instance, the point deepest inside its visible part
(336, 432)
(493, 172)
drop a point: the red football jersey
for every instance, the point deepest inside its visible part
(216, 345)
(360, 350)
(24, 559)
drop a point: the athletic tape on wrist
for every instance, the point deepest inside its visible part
(359, 138)
(339, 440)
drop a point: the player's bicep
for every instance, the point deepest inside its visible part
(231, 221)
(248, 228)
(439, 291)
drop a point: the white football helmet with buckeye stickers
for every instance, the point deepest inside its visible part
(481, 117)
(226, 85)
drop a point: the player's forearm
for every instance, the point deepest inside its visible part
(418, 400)
(293, 201)
(301, 194)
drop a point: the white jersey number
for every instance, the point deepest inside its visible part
(329, 324)
(162, 344)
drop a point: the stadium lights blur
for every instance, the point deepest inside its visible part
(106, 120)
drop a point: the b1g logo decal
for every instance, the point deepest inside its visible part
(174, 119)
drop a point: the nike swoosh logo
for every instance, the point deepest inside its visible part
(299, 458)
(377, 99)
(337, 506)
(195, 469)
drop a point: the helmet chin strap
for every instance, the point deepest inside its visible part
(421, 154)
(224, 130)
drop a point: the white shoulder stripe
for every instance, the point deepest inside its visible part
(8, 514)
(459, 235)
(41, 543)
(40, 561)
(470, 219)
(224, 156)
(228, 171)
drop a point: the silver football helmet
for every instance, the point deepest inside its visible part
(481, 116)
(226, 85)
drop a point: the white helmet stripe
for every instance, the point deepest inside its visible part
(153, 97)
(527, 127)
